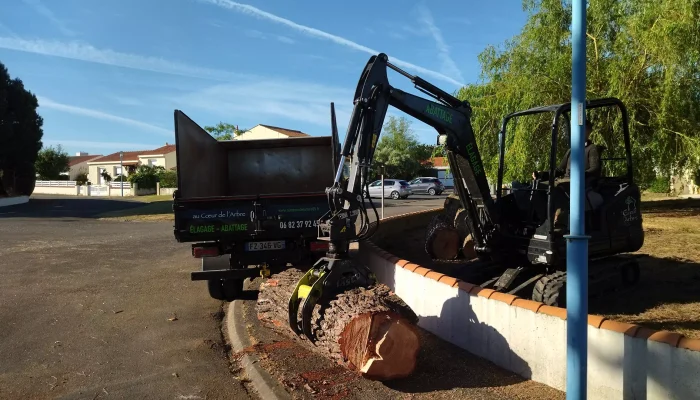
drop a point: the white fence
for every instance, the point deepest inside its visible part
(72, 188)
(118, 185)
(56, 183)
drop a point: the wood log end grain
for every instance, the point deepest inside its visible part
(468, 250)
(392, 348)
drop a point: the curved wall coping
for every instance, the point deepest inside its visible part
(529, 337)
(11, 201)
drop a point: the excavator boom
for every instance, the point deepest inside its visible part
(448, 115)
(451, 119)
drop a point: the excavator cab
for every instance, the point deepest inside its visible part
(612, 219)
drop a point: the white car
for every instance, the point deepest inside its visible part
(393, 188)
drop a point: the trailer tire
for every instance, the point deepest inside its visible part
(225, 289)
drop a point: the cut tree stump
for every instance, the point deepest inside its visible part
(442, 240)
(368, 330)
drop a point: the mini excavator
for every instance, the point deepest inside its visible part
(520, 251)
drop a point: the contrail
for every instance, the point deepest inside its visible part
(256, 12)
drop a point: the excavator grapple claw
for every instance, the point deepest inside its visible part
(328, 277)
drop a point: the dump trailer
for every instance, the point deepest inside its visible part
(249, 206)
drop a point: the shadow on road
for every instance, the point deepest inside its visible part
(70, 207)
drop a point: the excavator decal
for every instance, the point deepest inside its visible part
(438, 112)
(474, 160)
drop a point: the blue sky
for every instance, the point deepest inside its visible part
(109, 73)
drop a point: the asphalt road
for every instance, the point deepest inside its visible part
(104, 309)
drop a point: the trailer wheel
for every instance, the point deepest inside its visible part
(225, 289)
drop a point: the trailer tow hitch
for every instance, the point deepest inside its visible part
(328, 277)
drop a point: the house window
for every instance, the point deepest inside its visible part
(117, 171)
(152, 161)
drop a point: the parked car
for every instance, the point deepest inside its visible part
(393, 188)
(427, 184)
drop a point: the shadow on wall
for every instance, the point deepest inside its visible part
(456, 367)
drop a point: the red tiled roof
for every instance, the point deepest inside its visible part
(168, 148)
(286, 132)
(440, 162)
(134, 155)
(437, 162)
(74, 160)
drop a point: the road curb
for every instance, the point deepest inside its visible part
(266, 386)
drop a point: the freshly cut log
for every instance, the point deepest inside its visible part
(368, 330)
(442, 240)
(460, 223)
(468, 251)
(451, 206)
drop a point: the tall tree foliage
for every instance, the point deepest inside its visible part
(399, 152)
(645, 52)
(51, 162)
(224, 131)
(20, 136)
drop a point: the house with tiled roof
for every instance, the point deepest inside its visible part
(130, 160)
(79, 163)
(443, 170)
(261, 131)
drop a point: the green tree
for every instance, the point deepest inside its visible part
(82, 178)
(20, 136)
(224, 131)
(398, 150)
(645, 52)
(51, 162)
(146, 176)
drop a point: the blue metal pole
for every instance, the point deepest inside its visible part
(577, 241)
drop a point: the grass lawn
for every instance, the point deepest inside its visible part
(668, 294)
(155, 208)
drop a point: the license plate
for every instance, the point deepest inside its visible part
(269, 245)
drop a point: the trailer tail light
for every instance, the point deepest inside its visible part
(205, 251)
(319, 246)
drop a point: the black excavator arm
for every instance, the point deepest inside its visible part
(451, 119)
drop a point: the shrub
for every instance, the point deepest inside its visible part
(168, 179)
(81, 179)
(660, 185)
(146, 176)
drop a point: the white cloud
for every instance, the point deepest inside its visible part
(448, 64)
(284, 39)
(127, 101)
(256, 34)
(256, 12)
(40, 8)
(271, 99)
(87, 112)
(111, 146)
(86, 52)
